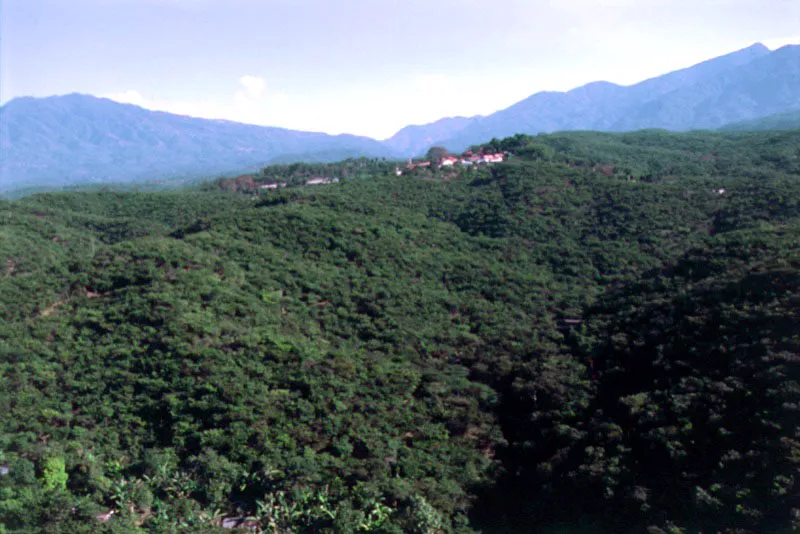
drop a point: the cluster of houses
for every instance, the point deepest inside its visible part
(465, 160)
(312, 181)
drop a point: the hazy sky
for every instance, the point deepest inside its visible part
(362, 66)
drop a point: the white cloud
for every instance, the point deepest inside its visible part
(432, 83)
(252, 103)
(253, 85)
(774, 44)
(203, 109)
(128, 97)
(359, 110)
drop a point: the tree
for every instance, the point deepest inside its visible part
(436, 154)
(245, 183)
(54, 475)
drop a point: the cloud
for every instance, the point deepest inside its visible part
(253, 103)
(128, 97)
(434, 83)
(253, 85)
(778, 42)
(203, 109)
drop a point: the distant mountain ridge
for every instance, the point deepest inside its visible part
(64, 140)
(72, 139)
(746, 84)
(416, 139)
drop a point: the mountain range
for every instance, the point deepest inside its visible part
(64, 140)
(747, 84)
(70, 139)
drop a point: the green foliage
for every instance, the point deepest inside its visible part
(435, 154)
(296, 174)
(780, 121)
(591, 334)
(54, 474)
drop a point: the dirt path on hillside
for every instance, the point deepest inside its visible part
(51, 309)
(11, 266)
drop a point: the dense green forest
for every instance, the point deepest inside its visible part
(601, 335)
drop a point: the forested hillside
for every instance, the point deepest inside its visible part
(601, 335)
(780, 121)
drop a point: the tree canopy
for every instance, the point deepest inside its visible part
(601, 334)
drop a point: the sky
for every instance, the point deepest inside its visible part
(367, 67)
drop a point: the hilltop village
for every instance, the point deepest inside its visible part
(276, 177)
(467, 159)
(313, 181)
